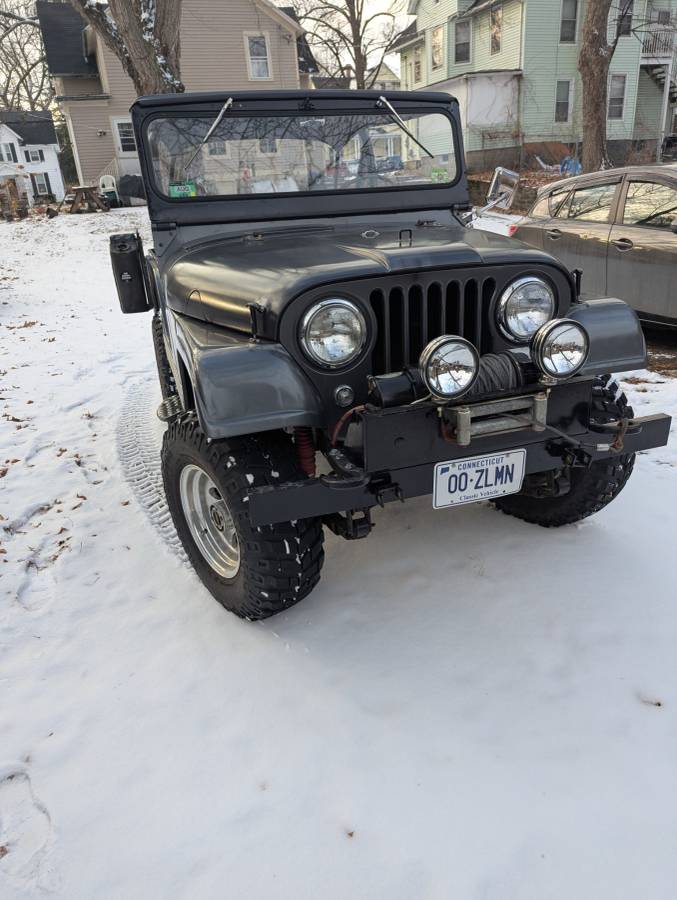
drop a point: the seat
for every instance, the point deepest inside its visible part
(108, 187)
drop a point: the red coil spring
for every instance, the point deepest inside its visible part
(305, 451)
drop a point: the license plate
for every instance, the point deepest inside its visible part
(478, 478)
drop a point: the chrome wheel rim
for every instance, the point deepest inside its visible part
(210, 521)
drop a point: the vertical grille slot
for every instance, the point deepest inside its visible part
(453, 321)
(417, 325)
(471, 309)
(408, 316)
(483, 311)
(435, 321)
(396, 336)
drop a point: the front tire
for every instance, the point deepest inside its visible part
(255, 572)
(590, 489)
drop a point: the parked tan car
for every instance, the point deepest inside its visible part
(620, 228)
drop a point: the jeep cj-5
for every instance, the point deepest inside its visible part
(331, 336)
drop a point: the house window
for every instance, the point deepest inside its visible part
(625, 10)
(663, 16)
(125, 136)
(418, 67)
(34, 156)
(218, 148)
(567, 29)
(257, 56)
(462, 42)
(437, 48)
(616, 96)
(563, 101)
(496, 20)
(268, 145)
(7, 153)
(41, 185)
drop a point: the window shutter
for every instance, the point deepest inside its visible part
(34, 186)
(13, 151)
(27, 155)
(42, 155)
(47, 184)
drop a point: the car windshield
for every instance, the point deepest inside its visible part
(301, 153)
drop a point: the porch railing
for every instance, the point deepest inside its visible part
(658, 44)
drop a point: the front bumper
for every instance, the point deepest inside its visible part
(395, 451)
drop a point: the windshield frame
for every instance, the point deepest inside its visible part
(296, 204)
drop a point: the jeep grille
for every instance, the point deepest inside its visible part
(409, 316)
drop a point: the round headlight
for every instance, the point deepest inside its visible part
(524, 306)
(449, 366)
(333, 332)
(560, 348)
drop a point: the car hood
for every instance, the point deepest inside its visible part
(217, 280)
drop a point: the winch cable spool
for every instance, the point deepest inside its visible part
(497, 372)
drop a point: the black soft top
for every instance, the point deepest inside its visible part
(188, 99)
(252, 208)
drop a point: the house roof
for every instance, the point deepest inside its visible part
(32, 127)
(383, 73)
(336, 83)
(62, 30)
(477, 6)
(307, 63)
(409, 35)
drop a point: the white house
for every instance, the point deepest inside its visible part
(29, 154)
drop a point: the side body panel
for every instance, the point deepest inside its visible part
(239, 386)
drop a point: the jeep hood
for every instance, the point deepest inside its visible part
(217, 280)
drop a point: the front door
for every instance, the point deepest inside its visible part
(579, 232)
(642, 261)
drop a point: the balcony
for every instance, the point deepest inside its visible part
(658, 46)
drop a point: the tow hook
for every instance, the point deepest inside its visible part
(618, 428)
(345, 473)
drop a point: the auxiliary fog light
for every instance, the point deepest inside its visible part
(560, 348)
(449, 366)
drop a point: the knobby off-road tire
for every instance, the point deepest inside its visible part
(167, 383)
(591, 488)
(278, 564)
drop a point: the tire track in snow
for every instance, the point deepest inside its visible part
(139, 441)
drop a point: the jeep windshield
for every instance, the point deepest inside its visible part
(300, 153)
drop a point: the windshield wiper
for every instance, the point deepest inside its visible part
(215, 124)
(398, 121)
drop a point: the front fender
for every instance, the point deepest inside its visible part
(616, 339)
(242, 386)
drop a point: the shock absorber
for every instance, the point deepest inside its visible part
(305, 450)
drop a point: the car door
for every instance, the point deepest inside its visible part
(578, 234)
(642, 260)
(530, 229)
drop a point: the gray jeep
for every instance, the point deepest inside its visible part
(330, 336)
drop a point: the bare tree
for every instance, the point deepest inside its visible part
(593, 64)
(346, 33)
(144, 35)
(24, 80)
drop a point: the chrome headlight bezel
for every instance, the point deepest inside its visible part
(428, 354)
(322, 306)
(539, 347)
(508, 293)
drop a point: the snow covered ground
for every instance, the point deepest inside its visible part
(466, 707)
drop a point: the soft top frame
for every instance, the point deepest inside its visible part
(165, 212)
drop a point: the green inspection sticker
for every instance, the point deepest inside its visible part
(179, 189)
(438, 175)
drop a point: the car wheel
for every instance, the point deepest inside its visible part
(588, 490)
(255, 572)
